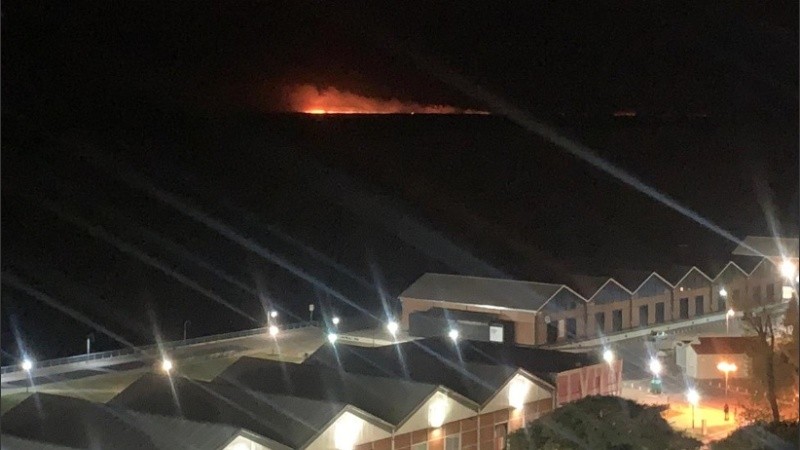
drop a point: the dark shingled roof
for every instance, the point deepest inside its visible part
(76, 423)
(73, 422)
(290, 421)
(724, 345)
(392, 400)
(474, 369)
(525, 295)
(473, 381)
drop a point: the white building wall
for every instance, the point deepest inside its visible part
(707, 366)
(532, 392)
(242, 443)
(691, 362)
(347, 431)
(453, 410)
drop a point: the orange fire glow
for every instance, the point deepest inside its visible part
(310, 100)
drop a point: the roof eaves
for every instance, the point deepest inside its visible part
(503, 308)
(563, 286)
(259, 439)
(730, 263)
(756, 267)
(693, 268)
(610, 280)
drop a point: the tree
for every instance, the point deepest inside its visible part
(761, 317)
(601, 422)
(758, 436)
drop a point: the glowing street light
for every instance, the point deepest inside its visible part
(608, 356)
(723, 292)
(694, 398)
(728, 316)
(335, 320)
(274, 330)
(655, 368)
(166, 365)
(27, 365)
(392, 326)
(726, 368)
(453, 334)
(788, 269)
(273, 314)
(332, 337)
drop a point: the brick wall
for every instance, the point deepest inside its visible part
(482, 432)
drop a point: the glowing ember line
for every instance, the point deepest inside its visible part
(310, 100)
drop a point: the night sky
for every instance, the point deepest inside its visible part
(102, 99)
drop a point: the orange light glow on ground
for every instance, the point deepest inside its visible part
(310, 100)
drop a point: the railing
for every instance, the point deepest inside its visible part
(144, 350)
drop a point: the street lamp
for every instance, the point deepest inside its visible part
(273, 314)
(335, 320)
(166, 365)
(27, 365)
(728, 316)
(788, 269)
(273, 330)
(723, 292)
(726, 367)
(608, 356)
(694, 398)
(392, 326)
(655, 368)
(453, 334)
(185, 324)
(332, 337)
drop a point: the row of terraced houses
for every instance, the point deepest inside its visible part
(584, 307)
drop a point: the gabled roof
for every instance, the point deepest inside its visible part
(73, 422)
(393, 400)
(10, 442)
(474, 369)
(768, 246)
(747, 263)
(725, 345)
(634, 279)
(587, 285)
(474, 382)
(291, 421)
(521, 295)
(77, 423)
(679, 273)
(730, 266)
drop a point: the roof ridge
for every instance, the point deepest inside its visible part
(493, 279)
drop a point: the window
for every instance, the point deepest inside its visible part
(420, 446)
(552, 333)
(600, 321)
(757, 293)
(698, 306)
(684, 308)
(616, 320)
(572, 328)
(500, 432)
(721, 303)
(770, 292)
(643, 313)
(452, 442)
(597, 383)
(660, 312)
(562, 329)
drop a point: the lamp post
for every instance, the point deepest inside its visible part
(728, 316)
(27, 365)
(726, 368)
(311, 312)
(655, 369)
(608, 357)
(694, 398)
(185, 325)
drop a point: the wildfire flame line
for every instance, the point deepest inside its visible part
(310, 100)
